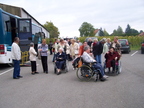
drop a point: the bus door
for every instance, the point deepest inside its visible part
(24, 33)
(13, 28)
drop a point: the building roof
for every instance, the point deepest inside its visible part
(96, 31)
(3, 6)
(141, 34)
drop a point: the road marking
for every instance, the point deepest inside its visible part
(9, 70)
(134, 53)
(6, 71)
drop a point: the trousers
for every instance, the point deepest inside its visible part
(44, 63)
(99, 67)
(33, 66)
(59, 64)
(16, 71)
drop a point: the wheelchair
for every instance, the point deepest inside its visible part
(118, 68)
(65, 67)
(87, 71)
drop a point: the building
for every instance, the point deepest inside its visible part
(23, 14)
(97, 32)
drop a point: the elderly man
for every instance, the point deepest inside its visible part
(16, 56)
(87, 58)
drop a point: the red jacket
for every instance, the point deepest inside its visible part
(81, 50)
(111, 56)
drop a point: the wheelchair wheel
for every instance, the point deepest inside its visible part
(84, 73)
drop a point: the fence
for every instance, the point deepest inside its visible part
(24, 57)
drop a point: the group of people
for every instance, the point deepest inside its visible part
(16, 57)
(69, 50)
(92, 51)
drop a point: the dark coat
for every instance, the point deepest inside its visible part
(111, 56)
(97, 49)
(61, 57)
(89, 43)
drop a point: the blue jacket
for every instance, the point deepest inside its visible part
(60, 57)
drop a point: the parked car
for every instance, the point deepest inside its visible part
(142, 48)
(125, 45)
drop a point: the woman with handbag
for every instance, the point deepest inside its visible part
(32, 57)
(74, 49)
(43, 49)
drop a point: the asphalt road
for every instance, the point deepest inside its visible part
(66, 91)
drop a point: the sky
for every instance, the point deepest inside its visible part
(68, 15)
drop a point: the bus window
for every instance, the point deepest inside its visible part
(24, 26)
(6, 20)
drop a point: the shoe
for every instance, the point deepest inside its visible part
(105, 76)
(102, 79)
(113, 71)
(20, 76)
(58, 73)
(33, 73)
(46, 72)
(36, 72)
(16, 78)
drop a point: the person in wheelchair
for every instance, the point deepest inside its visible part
(60, 60)
(89, 59)
(112, 58)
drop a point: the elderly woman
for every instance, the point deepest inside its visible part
(32, 58)
(111, 58)
(61, 44)
(74, 49)
(60, 60)
(43, 48)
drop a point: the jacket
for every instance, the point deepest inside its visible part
(32, 54)
(44, 48)
(16, 52)
(60, 57)
(97, 49)
(81, 50)
(74, 49)
(87, 58)
(111, 56)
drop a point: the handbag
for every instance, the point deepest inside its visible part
(79, 63)
(39, 55)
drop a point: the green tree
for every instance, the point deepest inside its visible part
(128, 30)
(134, 32)
(114, 33)
(53, 30)
(119, 31)
(86, 29)
(141, 31)
(105, 33)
